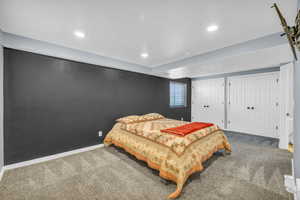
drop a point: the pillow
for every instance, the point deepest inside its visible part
(129, 119)
(151, 116)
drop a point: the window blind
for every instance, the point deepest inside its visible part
(178, 94)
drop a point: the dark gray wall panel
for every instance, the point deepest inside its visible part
(54, 105)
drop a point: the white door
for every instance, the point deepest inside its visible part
(208, 101)
(253, 104)
(286, 105)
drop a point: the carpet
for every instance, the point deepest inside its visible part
(254, 171)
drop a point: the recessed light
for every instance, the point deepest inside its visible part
(144, 55)
(79, 34)
(212, 28)
(142, 17)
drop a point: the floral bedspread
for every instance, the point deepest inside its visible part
(175, 157)
(178, 144)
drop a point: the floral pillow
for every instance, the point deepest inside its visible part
(129, 119)
(136, 118)
(151, 116)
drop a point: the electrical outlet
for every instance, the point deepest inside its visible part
(100, 133)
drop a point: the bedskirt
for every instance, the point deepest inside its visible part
(170, 165)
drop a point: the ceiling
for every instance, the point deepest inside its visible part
(168, 30)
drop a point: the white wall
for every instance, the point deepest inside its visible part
(297, 125)
(297, 114)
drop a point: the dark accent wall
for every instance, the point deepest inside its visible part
(52, 105)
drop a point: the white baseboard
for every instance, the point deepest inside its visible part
(292, 184)
(52, 157)
(1, 173)
(247, 133)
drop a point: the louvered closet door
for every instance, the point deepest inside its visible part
(253, 104)
(208, 101)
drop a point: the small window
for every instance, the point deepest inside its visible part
(178, 94)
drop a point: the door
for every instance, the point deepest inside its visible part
(286, 105)
(208, 101)
(253, 104)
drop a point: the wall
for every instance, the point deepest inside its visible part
(297, 115)
(255, 71)
(54, 105)
(1, 105)
(297, 119)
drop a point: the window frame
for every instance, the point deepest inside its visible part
(185, 94)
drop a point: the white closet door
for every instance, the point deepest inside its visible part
(253, 104)
(208, 101)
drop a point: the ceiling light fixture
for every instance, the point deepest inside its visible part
(79, 34)
(212, 28)
(144, 55)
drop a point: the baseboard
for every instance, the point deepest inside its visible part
(292, 184)
(297, 193)
(1, 173)
(249, 134)
(52, 157)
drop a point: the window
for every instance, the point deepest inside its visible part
(177, 94)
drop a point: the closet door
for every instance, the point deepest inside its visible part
(253, 104)
(208, 101)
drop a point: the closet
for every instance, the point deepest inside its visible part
(208, 101)
(245, 103)
(253, 104)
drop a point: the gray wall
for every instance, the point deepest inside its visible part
(1, 103)
(297, 116)
(53, 105)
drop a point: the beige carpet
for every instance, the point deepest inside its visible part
(254, 171)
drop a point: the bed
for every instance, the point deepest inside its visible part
(175, 157)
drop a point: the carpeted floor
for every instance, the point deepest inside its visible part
(254, 171)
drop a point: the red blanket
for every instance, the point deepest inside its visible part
(187, 128)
